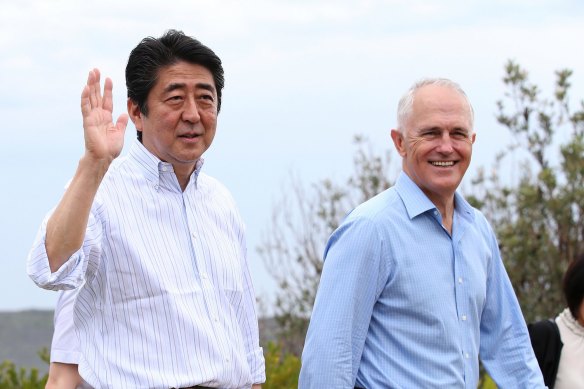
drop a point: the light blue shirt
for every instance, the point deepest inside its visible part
(402, 304)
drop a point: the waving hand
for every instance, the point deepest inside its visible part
(103, 139)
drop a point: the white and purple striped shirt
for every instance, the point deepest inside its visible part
(166, 296)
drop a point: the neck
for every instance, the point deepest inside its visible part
(446, 208)
(183, 174)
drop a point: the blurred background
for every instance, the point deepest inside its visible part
(303, 80)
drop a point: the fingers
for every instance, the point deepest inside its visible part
(85, 104)
(88, 96)
(107, 95)
(91, 96)
(94, 88)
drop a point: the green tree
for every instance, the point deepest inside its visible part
(539, 219)
(302, 221)
(12, 377)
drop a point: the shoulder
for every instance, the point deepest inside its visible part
(378, 208)
(212, 186)
(216, 195)
(117, 166)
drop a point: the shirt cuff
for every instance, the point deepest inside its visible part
(257, 366)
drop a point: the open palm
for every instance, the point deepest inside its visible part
(103, 139)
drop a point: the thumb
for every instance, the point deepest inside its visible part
(122, 122)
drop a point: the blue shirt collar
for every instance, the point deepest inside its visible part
(416, 201)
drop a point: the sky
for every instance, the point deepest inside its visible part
(302, 78)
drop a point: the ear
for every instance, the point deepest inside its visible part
(473, 137)
(135, 114)
(398, 141)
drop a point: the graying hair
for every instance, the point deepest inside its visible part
(404, 108)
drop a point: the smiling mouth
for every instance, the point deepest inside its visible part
(443, 163)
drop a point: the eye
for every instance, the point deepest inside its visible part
(207, 97)
(459, 134)
(206, 101)
(175, 98)
(430, 133)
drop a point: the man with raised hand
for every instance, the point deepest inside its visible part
(155, 246)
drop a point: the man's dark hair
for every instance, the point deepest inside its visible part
(152, 54)
(574, 285)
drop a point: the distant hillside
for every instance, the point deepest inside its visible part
(23, 334)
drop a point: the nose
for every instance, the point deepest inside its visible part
(191, 111)
(445, 144)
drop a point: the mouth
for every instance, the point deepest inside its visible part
(443, 163)
(190, 136)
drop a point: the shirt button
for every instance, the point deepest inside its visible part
(156, 187)
(460, 280)
(463, 317)
(204, 276)
(466, 355)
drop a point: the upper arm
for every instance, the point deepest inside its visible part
(348, 289)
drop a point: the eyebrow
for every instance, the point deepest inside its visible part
(435, 128)
(180, 85)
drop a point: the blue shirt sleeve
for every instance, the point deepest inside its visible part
(505, 348)
(353, 276)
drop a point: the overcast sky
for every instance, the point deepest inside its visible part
(302, 78)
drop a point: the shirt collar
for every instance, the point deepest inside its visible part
(152, 167)
(416, 202)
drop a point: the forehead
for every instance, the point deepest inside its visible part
(438, 99)
(184, 74)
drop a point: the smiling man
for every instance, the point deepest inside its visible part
(156, 247)
(413, 288)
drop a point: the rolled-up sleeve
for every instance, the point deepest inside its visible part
(75, 270)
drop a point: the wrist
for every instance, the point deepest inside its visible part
(93, 168)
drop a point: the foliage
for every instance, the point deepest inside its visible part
(12, 377)
(301, 224)
(486, 382)
(282, 369)
(539, 219)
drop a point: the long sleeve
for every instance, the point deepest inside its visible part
(73, 273)
(505, 348)
(248, 320)
(352, 279)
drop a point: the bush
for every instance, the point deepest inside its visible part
(282, 369)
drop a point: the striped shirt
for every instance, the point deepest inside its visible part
(403, 304)
(166, 297)
(65, 346)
